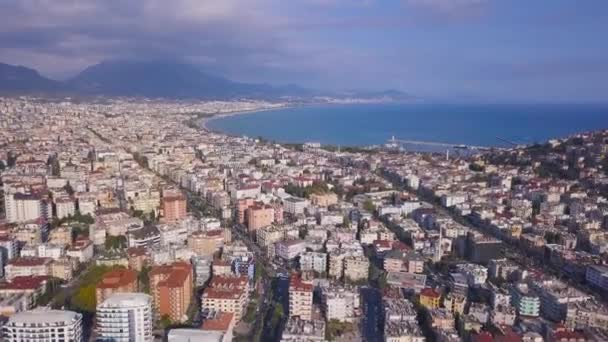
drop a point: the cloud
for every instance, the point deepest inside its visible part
(446, 5)
(204, 30)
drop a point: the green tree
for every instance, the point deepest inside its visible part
(115, 242)
(369, 206)
(85, 299)
(143, 277)
(165, 322)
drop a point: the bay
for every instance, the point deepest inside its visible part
(372, 124)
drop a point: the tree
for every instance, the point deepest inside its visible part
(85, 299)
(115, 242)
(143, 277)
(368, 205)
(165, 322)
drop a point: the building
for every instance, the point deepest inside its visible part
(290, 249)
(191, 335)
(313, 261)
(174, 206)
(64, 207)
(407, 281)
(555, 296)
(116, 281)
(26, 207)
(61, 235)
(341, 304)
(206, 243)
(430, 298)
(300, 298)
(31, 266)
(138, 258)
(294, 206)
(125, 317)
(43, 325)
(226, 294)
(324, 200)
(597, 276)
(299, 330)
(259, 216)
(525, 300)
(171, 289)
(481, 249)
(202, 269)
(589, 314)
(356, 268)
(406, 331)
(221, 323)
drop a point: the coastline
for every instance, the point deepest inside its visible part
(514, 136)
(202, 123)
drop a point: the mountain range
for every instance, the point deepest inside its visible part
(157, 79)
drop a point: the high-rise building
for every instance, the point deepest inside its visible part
(174, 206)
(43, 325)
(125, 317)
(116, 281)
(300, 298)
(171, 287)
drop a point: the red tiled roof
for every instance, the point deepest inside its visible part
(221, 322)
(429, 292)
(29, 261)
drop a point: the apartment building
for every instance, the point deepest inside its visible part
(300, 298)
(171, 289)
(46, 325)
(116, 281)
(226, 294)
(174, 206)
(125, 317)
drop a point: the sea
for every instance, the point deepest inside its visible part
(488, 125)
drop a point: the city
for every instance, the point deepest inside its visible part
(127, 220)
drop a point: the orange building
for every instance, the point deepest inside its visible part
(259, 216)
(174, 206)
(241, 207)
(117, 281)
(171, 288)
(430, 298)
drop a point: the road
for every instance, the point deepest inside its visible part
(372, 324)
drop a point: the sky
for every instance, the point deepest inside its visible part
(477, 50)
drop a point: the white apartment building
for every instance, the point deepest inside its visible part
(340, 304)
(125, 317)
(43, 325)
(290, 249)
(294, 205)
(313, 261)
(44, 250)
(64, 207)
(25, 207)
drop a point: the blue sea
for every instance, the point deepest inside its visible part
(364, 125)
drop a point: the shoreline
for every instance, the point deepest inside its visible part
(202, 123)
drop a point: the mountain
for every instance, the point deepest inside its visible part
(151, 79)
(160, 79)
(168, 79)
(19, 80)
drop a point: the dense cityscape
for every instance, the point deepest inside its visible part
(128, 220)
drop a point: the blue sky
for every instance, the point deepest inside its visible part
(475, 50)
